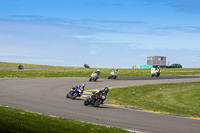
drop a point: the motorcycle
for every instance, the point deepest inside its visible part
(113, 75)
(154, 72)
(75, 92)
(95, 100)
(20, 67)
(94, 77)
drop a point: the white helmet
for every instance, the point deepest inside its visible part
(83, 85)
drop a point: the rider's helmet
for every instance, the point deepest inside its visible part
(158, 67)
(83, 86)
(106, 89)
(98, 71)
(117, 70)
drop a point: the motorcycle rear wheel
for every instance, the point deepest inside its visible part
(158, 74)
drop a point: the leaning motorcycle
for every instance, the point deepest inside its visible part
(95, 100)
(94, 77)
(154, 72)
(20, 67)
(73, 93)
(113, 75)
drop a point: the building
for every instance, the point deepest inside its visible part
(156, 61)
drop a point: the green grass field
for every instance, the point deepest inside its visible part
(14, 65)
(83, 72)
(19, 121)
(178, 98)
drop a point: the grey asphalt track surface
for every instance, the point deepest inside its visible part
(48, 96)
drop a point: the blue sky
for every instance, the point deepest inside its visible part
(101, 33)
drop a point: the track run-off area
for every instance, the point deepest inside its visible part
(48, 96)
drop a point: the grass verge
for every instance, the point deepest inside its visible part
(178, 98)
(84, 72)
(19, 121)
(15, 65)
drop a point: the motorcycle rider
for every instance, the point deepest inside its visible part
(116, 71)
(158, 69)
(97, 72)
(20, 66)
(82, 86)
(105, 90)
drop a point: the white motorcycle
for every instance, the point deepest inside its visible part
(155, 72)
(94, 77)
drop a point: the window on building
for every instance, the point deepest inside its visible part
(149, 58)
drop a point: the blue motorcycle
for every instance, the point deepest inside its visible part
(75, 92)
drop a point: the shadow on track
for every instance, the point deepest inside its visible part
(101, 107)
(96, 81)
(77, 99)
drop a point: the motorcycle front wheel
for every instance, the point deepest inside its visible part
(86, 102)
(67, 96)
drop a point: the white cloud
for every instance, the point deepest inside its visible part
(95, 46)
(93, 52)
(134, 46)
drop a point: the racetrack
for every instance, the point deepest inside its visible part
(47, 95)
